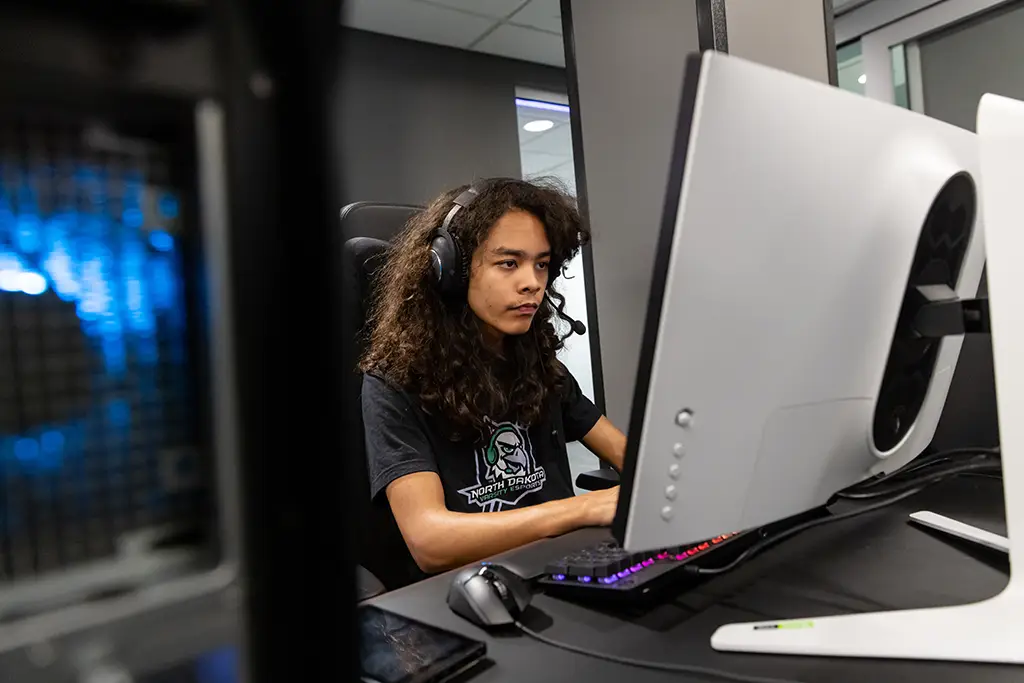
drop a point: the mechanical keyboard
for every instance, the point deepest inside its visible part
(607, 572)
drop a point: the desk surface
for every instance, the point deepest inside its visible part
(870, 563)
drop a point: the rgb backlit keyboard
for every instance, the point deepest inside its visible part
(607, 571)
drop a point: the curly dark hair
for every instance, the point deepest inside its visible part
(433, 348)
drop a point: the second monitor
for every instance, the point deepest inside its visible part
(779, 362)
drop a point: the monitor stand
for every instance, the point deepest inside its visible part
(965, 532)
(991, 630)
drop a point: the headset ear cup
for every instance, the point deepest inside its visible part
(436, 267)
(446, 263)
(449, 265)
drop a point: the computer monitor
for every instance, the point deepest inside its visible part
(988, 630)
(780, 361)
(776, 366)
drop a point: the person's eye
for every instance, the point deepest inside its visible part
(507, 264)
(543, 266)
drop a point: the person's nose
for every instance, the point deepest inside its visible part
(533, 281)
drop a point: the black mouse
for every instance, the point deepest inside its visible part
(489, 595)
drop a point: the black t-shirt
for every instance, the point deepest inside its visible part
(514, 467)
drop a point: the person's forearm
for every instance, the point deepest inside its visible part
(606, 442)
(445, 539)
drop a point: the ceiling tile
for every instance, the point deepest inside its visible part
(535, 163)
(566, 170)
(556, 143)
(498, 9)
(543, 14)
(415, 20)
(567, 174)
(545, 159)
(524, 43)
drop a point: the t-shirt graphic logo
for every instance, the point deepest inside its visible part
(505, 469)
(505, 455)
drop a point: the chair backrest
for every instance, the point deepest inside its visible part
(379, 544)
(373, 219)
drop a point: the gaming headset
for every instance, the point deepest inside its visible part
(450, 266)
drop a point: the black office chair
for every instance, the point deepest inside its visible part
(374, 219)
(384, 559)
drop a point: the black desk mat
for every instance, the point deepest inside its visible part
(879, 561)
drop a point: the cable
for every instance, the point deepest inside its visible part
(657, 666)
(915, 466)
(986, 466)
(897, 493)
(923, 462)
(786, 533)
(983, 475)
(927, 461)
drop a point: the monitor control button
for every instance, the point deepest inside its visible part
(670, 492)
(674, 470)
(666, 513)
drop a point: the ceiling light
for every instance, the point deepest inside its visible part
(538, 126)
(863, 79)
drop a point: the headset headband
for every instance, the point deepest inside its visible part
(449, 265)
(463, 201)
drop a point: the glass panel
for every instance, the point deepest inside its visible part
(850, 64)
(901, 90)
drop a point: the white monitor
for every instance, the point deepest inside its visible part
(796, 217)
(990, 630)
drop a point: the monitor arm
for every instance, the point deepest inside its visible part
(939, 313)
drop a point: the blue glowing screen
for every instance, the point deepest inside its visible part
(220, 666)
(95, 415)
(216, 666)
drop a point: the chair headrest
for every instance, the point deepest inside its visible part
(374, 219)
(363, 257)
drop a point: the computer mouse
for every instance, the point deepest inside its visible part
(489, 595)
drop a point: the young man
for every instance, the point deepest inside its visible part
(466, 408)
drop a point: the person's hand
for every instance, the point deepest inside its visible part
(599, 506)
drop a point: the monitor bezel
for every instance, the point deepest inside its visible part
(659, 276)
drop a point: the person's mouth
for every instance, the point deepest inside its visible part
(525, 309)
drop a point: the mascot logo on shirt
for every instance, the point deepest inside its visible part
(506, 457)
(505, 469)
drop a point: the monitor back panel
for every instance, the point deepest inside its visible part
(789, 236)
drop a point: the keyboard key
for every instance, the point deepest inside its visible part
(557, 568)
